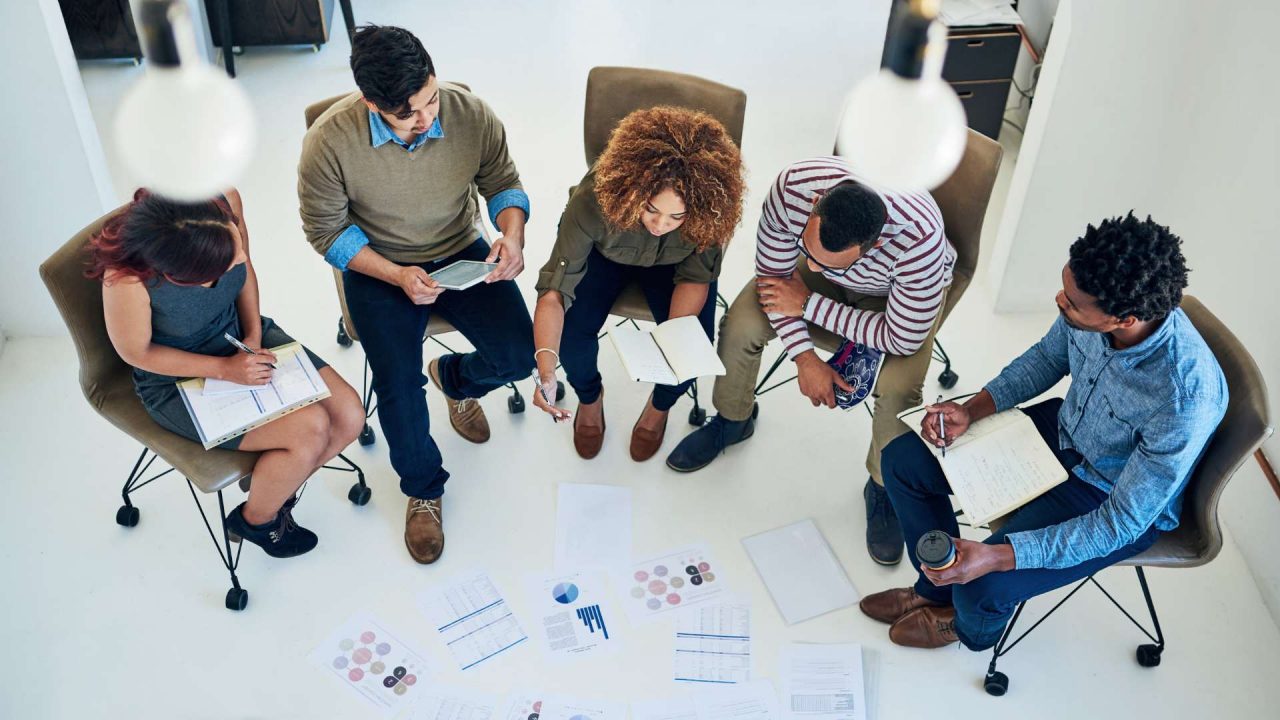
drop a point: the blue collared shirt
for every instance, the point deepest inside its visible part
(1140, 417)
(347, 244)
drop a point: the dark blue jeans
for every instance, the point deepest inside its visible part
(493, 317)
(592, 301)
(918, 490)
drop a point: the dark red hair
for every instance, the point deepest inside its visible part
(188, 243)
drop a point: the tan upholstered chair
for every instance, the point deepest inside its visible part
(436, 324)
(107, 383)
(615, 92)
(1198, 537)
(963, 200)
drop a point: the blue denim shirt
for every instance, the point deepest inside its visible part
(1140, 417)
(353, 238)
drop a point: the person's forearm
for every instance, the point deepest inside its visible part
(369, 262)
(164, 360)
(249, 308)
(688, 299)
(980, 406)
(548, 326)
(511, 224)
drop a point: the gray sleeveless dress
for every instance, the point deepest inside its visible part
(193, 318)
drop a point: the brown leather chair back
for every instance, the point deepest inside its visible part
(107, 380)
(964, 197)
(1244, 427)
(615, 92)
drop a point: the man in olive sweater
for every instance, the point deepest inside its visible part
(387, 187)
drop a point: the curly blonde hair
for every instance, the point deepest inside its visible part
(687, 151)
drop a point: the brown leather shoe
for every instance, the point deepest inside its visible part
(926, 627)
(889, 605)
(466, 416)
(424, 529)
(645, 443)
(588, 440)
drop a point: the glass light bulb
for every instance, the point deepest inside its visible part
(903, 134)
(185, 132)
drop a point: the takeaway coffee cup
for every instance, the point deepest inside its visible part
(936, 550)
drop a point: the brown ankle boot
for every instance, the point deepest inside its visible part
(889, 605)
(424, 529)
(926, 627)
(588, 440)
(645, 443)
(466, 416)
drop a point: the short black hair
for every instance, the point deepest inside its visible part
(390, 65)
(1131, 267)
(851, 214)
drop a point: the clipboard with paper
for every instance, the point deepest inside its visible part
(221, 416)
(998, 465)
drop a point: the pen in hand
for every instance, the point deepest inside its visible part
(244, 347)
(942, 428)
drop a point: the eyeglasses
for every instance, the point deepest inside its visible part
(837, 272)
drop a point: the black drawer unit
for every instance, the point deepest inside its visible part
(984, 102)
(979, 66)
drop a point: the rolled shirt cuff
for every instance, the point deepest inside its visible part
(515, 197)
(1027, 553)
(345, 247)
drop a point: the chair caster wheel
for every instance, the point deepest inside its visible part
(997, 684)
(359, 494)
(947, 379)
(1149, 655)
(755, 411)
(367, 436)
(559, 390)
(343, 338)
(127, 516)
(237, 599)
(697, 416)
(515, 404)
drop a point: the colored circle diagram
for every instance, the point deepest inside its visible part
(565, 593)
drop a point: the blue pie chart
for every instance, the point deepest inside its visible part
(565, 593)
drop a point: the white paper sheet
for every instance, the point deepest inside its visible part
(531, 705)
(822, 682)
(593, 527)
(756, 700)
(801, 573)
(574, 616)
(440, 703)
(641, 357)
(713, 642)
(363, 655)
(668, 582)
(472, 618)
(681, 708)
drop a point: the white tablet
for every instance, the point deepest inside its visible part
(462, 274)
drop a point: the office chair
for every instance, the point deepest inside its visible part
(436, 324)
(1198, 537)
(615, 92)
(107, 383)
(963, 200)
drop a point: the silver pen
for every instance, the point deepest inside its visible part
(942, 428)
(243, 347)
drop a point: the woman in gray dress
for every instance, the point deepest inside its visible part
(175, 278)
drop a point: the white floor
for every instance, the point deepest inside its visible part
(102, 621)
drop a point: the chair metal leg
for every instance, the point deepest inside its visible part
(237, 597)
(772, 369)
(359, 493)
(948, 377)
(1149, 655)
(127, 515)
(697, 414)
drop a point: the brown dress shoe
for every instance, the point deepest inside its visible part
(466, 416)
(424, 529)
(645, 443)
(926, 627)
(889, 605)
(587, 440)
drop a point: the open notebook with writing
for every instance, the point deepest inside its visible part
(221, 416)
(674, 351)
(1000, 464)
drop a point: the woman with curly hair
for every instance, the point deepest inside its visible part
(657, 210)
(175, 278)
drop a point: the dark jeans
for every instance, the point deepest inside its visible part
(918, 490)
(493, 317)
(592, 301)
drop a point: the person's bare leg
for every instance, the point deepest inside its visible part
(346, 415)
(290, 447)
(651, 418)
(591, 415)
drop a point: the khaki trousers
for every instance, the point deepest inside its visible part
(745, 330)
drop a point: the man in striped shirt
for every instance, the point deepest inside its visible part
(876, 268)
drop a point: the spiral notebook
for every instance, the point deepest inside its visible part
(219, 417)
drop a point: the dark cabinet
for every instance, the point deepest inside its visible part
(101, 29)
(979, 66)
(274, 22)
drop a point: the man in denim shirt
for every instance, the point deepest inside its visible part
(1146, 395)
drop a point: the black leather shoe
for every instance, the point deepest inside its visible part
(703, 445)
(884, 533)
(279, 538)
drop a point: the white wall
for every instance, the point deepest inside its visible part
(1168, 108)
(55, 177)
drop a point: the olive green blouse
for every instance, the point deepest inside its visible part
(583, 227)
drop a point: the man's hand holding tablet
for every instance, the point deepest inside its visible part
(462, 274)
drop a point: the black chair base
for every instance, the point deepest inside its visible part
(237, 597)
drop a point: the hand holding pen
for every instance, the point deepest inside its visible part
(943, 423)
(544, 396)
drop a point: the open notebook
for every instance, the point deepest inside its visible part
(221, 416)
(1000, 464)
(675, 351)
